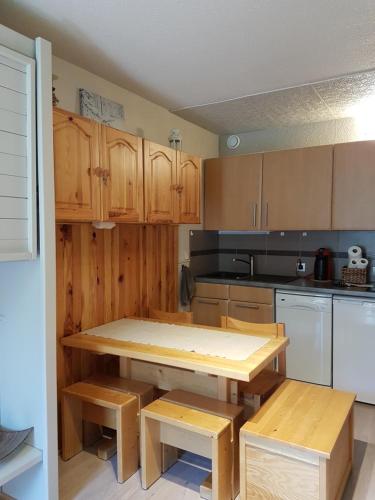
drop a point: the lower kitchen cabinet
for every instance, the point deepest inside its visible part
(209, 311)
(253, 313)
(252, 304)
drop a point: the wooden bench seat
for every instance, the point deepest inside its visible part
(189, 429)
(102, 406)
(298, 445)
(212, 406)
(144, 392)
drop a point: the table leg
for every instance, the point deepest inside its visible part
(223, 389)
(125, 367)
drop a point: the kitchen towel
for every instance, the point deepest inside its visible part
(186, 286)
(355, 252)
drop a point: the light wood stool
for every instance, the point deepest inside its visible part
(298, 445)
(141, 390)
(102, 406)
(212, 406)
(190, 430)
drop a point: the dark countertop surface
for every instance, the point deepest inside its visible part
(287, 283)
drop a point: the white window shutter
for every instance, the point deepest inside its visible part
(17, 157)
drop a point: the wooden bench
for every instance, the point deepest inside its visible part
(102, 406)
(191, 430)
(212, 406)
(171, 317)
(299, 444)
(268, 380)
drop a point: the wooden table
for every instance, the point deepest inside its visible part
(225, 369)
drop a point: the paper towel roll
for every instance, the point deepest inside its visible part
(355, 252)
(362, 263)
(353, 263)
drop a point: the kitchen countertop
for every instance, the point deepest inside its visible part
(295, 285)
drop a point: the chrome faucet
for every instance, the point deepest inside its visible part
(250, 262)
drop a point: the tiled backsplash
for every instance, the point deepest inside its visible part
(275, 253)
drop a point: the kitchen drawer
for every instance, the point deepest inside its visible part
(208, 311)
(251, 294)
(251, 312)
(211, 290)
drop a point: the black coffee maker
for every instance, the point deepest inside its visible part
(323, 265)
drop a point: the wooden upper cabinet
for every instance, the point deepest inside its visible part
(160, 183)
(188, 188)
(76, 158)
(353, 204)
(122, 176)
(233, 193)
(297, 189)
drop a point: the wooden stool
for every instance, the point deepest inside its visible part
(212, 406)
(101, 406)
(141, 390)
(298, 445)
(191, 430)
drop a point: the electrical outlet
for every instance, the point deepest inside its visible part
(301, 266)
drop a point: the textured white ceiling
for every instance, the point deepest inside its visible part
(319, 102)
(182, 53)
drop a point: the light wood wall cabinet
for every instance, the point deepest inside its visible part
(98, 171)
(122, 176)
(172, 185)
(102, 173)
(297, 189)
(76, 159)
(233, 193)
(188, 188)
(353, 204)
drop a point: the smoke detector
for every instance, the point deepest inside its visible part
(233, 141)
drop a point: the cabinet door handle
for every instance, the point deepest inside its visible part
(247, 306)
(105, 176)
(266, 215)
(200, 301)
(254, 215)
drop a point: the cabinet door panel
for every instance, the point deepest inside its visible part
(76, 158)
(353, 186)
(208, 311)
(233, 192)
(297, 189)
(123, 176)
(251, 312)
(189, 183)
(160, 182)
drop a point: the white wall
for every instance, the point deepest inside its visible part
(310, 134)
(27, 355)
(142, 117)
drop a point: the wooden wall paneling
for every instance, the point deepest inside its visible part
(161, 250)
(105, 275)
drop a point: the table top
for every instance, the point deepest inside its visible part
(244, 370)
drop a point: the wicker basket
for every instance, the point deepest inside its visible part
(356, 276)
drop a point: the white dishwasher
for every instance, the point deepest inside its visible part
(354, 347)
(308, 324)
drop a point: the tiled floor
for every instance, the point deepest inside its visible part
(87, 477)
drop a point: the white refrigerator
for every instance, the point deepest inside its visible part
(354, 347)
